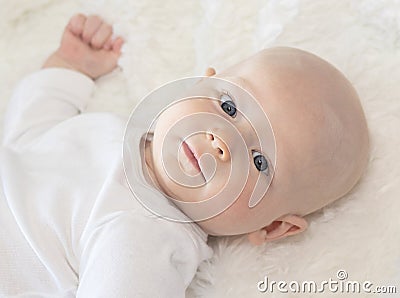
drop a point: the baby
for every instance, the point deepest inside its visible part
(70, 223)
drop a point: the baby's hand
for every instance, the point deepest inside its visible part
(86, 46)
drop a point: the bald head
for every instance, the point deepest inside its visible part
(320, 134)
(319, 125)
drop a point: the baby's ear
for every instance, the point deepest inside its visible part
(278, 229)
(210, 71)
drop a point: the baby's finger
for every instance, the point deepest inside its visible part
(101, 36)
(107, 46)
(76, 24)
(117, 45)
(92, 24)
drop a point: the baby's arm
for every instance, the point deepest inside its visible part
(62, 88)
(131, 255)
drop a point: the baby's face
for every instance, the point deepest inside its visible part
(225, 146)
(213, 151)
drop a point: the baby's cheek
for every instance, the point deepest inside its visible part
(254, 182)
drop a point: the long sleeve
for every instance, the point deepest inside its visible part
(41, 101)
(137, 256)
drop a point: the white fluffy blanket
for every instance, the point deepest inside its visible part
(170, 39)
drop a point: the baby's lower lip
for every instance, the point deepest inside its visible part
(189, 154)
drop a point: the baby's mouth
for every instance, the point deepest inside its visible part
(189, 160)
(191, 156)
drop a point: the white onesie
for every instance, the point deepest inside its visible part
(70, 225)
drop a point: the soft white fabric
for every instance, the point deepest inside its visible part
(70, 225)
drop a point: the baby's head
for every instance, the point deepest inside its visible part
(321, 140)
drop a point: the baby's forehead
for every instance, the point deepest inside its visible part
(236, 90)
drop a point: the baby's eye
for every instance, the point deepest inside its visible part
(260, 161)
(228, 105)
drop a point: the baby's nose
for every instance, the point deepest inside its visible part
(220, 148)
